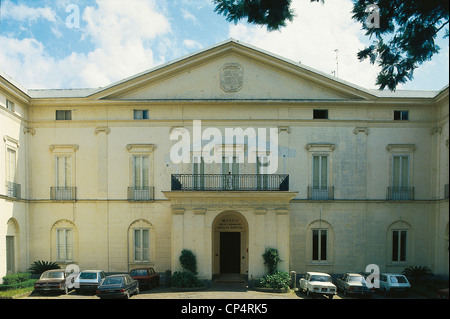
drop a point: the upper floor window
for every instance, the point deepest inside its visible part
(401, 115)
(320, 114)
(10, 105)
(141, 114)
(63, 115)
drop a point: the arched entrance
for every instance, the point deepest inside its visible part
(230, 244)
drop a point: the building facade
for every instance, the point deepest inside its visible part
(97, 177)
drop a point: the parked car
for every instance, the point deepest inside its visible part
(55, 280)
(146, 276)
(354, 284)
(394, 283)
(88, 280)
(317, 283)
(118, 286)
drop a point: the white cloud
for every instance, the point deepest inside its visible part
(22, 12)
(122, 34)
(311, 38)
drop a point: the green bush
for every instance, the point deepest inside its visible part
(271, 260)
(185, 279)
(188, 261)
(18, 285)
(416, 273)
(16, 278)
(278, 280)
(38, 267)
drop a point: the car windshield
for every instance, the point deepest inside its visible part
(398, 279)
(358, 279)
(320, 278)
(113, 281)
(88, 275)
(139, 272)
(53, 275)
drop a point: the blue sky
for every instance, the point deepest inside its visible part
(117, 39)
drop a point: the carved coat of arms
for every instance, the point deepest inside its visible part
(231, 77)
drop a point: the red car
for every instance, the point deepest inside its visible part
(146, 276)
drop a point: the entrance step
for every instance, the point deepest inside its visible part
(230, 279)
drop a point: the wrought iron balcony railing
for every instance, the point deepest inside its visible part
(63, 193)
(320, 192)
(400, 193)
(141, 193)
(230, 182)
(13, 190)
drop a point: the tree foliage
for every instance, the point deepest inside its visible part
(403, 40)
(271, 13)
(405, 37)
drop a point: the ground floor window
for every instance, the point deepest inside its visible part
(319, 244)
(64, 244)
(141, 245)
(399, 245)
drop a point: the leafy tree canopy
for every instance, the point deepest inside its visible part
(403, 36)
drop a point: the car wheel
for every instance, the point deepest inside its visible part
(127, 295)
(309, 293)
(330, 296)
(137, 291)
(345, 292)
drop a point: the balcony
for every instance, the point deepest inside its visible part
(63, 193)
(13, 190)
(230, 182)
(320, 192)
(141, 193)
(400, 193)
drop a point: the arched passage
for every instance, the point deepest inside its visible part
(230, 244)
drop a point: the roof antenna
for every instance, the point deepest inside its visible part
(337, 63)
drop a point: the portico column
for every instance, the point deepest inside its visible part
(200, 242)
(258, 246)
(283, 238)
(177, 237)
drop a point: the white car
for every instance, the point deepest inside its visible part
(88, 280)
(318, 283)
(394, 283)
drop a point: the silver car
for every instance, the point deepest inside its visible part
(88, 280)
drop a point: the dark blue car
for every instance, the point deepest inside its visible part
(118, 286)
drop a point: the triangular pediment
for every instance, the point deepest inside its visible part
(232, 71)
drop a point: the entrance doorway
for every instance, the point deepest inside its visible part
(230, 244)
(230, 252)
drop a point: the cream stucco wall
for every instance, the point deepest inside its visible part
(360, 138)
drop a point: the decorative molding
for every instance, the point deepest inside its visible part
(282, 211)
(182, 129)
(141, 147)
(178, 211)
(364, 130)
(64, 147)
(260, 211)
(29, 130)
(435, 130)
(103, 129)
(286, 129)
(199, 211)
(401, 148)
(11, 141)
(231, 77)
(318, 147)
